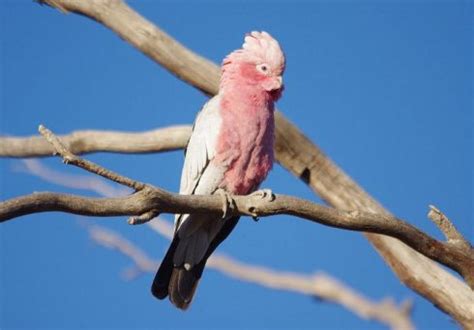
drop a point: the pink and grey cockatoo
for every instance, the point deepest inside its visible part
(230, 152)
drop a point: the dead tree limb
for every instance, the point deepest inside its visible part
(295, 152)
(149, 201)
(319, 285)
(82, 142)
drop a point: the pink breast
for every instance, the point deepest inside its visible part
(246, 174)
(245, 145)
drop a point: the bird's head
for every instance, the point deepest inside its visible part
(260, 63)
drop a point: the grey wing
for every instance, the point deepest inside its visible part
(199, 175)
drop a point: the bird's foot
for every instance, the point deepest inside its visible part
(228, 203)
(265, 194)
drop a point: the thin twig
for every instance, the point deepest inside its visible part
(70, 158)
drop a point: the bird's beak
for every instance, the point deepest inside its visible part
(274, 84)
(277, 88)
(278, 82)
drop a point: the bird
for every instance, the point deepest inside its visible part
(230, 152)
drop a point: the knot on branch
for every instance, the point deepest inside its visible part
(143, 218)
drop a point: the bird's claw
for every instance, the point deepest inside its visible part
(228, 203)
(254, 215)
(262, 194)
(265, 194)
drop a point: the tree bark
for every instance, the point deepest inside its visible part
(294, 151)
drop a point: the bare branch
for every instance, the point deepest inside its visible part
(151, 201)
(294, 151)
(53, 202)
(154, 201)
(82, 142)
(112, 240)
(318, 285)
(446, 226)
(322, 286)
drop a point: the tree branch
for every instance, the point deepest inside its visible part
(294, 152)
(446, 226)
(319, 285)
(322, 286)
(70, 158)
(153, 201)
(54, 202)
(82, 142)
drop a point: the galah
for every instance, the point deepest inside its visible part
(230, 152)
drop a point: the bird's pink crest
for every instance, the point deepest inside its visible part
(259, 47)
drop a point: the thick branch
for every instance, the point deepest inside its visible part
(318, 285)
(458, 258)
(152, 200)
(295, 152)
(53, 202)
(322, 286)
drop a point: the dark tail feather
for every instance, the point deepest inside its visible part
(182, 287)
(160, 285)
(178, 282)
(183, 283)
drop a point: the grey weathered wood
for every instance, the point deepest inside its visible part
(294, 151)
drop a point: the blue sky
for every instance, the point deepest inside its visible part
(385, 88)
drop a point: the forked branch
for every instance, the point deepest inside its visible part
(320, 285)
(294, 151)
(148, 201)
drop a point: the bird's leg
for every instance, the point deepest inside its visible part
(228, 203)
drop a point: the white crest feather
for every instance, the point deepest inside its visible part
(259, 47)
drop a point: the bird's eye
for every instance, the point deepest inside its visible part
(263, 68)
